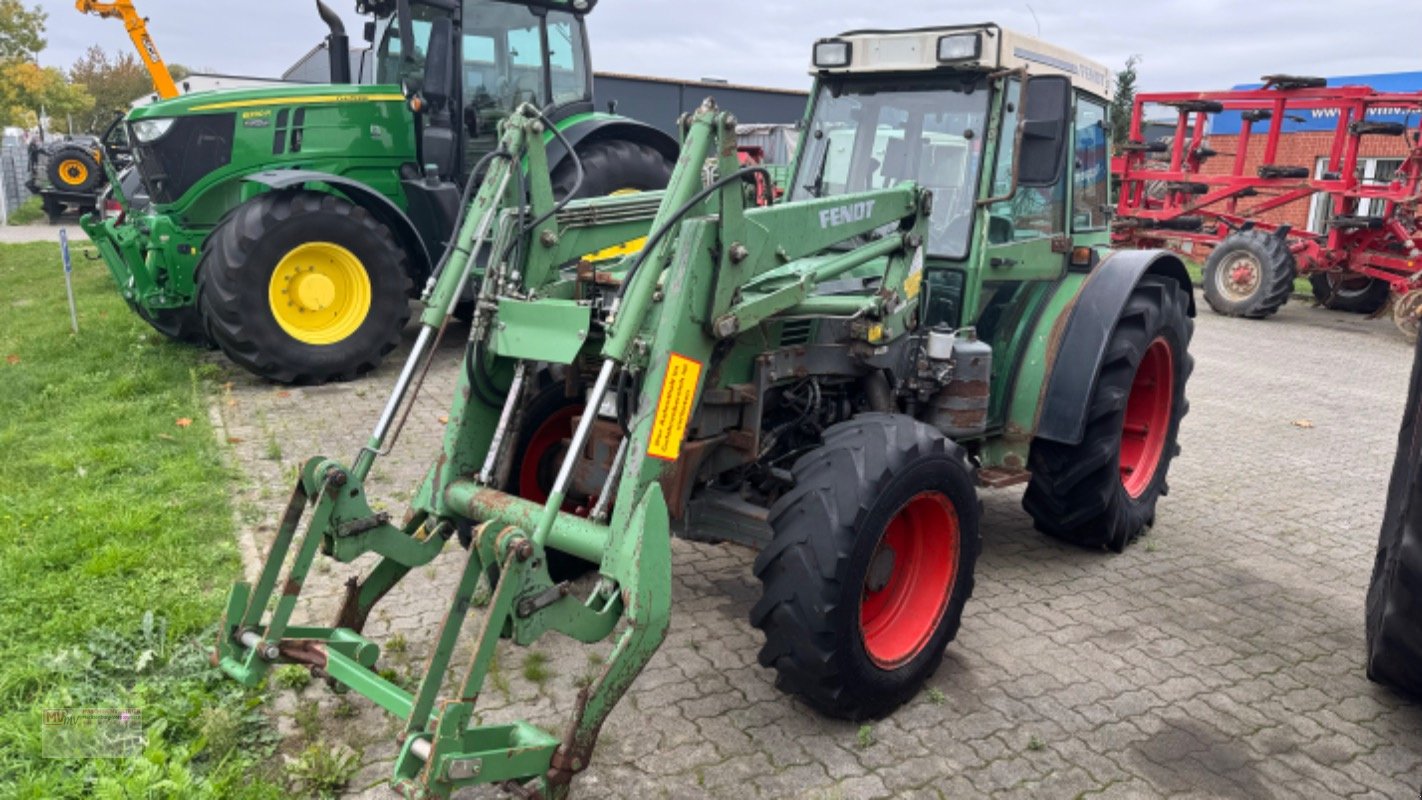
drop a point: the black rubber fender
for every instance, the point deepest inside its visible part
(366, 197)
(1071, 375)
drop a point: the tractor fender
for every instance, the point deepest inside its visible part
(602, 127)
(364, 196)
(1079, 352)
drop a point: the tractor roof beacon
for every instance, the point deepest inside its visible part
(290, 225)
(830, 379)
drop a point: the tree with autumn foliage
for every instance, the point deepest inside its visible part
(114, 82)
(25, 86)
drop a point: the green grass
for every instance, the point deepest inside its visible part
(116, 547)
(28, 212)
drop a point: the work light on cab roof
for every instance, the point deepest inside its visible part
(986, 47)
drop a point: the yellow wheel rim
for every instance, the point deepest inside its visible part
(73, 171)
(618, 250)
(320, 293)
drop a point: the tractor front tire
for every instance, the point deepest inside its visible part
(303, 288)
(1249, 274)
(183, 325)
(74, 169)
(1355, 294)
(870, 565)
(1102, 492)
(613, 166)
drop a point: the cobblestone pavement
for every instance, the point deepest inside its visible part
(1218, 657)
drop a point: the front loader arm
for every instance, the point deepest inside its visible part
(654, 317)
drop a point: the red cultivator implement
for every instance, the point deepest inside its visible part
(1178, 192)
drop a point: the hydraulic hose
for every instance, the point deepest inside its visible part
(656, 236)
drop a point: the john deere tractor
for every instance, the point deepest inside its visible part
(932, 310)
(290, 226)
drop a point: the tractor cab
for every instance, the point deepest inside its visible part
(470, 64)
(1007, 132)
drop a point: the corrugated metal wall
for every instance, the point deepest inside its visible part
(14, 161)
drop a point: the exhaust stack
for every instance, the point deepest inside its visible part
(338, 44)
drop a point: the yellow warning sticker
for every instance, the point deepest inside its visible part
(674, 407)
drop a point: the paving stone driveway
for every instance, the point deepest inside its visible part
(1218, 657)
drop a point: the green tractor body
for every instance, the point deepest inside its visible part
(830, 379)
(371, 174)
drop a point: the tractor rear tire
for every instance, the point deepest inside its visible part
(1357, 294)
(74, 169)
(870, 565)
(612, 166)
(1102, 492)
(544, 433)
(340, 326)
(1392, 624)
(1250, 274)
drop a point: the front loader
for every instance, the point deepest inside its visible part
(829, 378)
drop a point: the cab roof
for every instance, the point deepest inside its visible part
(917, 50)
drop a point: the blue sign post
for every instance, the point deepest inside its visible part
(68, 278)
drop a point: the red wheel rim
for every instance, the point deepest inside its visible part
(544, 454)
(1147, 423)
(910, 580)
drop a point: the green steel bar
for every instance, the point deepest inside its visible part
(500, 607)
(572, 534)
(685, 183)
(276, 558)
(831, 306)
(368, 684)
(438, 663)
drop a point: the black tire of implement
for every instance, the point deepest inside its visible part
(1392, 624)
(95, 173)
(1276, 281)
(235, 271)
(1076, 492)
(826, 529)
(1369, 300)
(613, 165)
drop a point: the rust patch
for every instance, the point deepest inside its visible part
(310, 652)
(999, 477)
(291, 588)
(974, 389)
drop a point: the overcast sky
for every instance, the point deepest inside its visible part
(1184, 44)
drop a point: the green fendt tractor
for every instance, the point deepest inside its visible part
(290, 226)
(830, 378)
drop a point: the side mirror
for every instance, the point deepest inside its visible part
(1046, 114)
(439, 65)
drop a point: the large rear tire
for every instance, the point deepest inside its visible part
(1102, 492)
(613, 166)
(870, 565)
(1249, 274)
(1342, 291)
(1392, 621)
(304, 288)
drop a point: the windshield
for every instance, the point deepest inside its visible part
(875, 134)
(503, 55)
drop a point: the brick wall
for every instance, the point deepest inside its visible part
(1295, 150)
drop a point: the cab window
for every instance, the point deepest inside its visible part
(1032, 212)
(1091, 168)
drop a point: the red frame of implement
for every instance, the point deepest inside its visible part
(1201, 209)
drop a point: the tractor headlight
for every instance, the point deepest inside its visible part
(831, 53)
(151, 130)
(959, 47)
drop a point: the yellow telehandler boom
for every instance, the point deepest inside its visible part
(137, 28)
